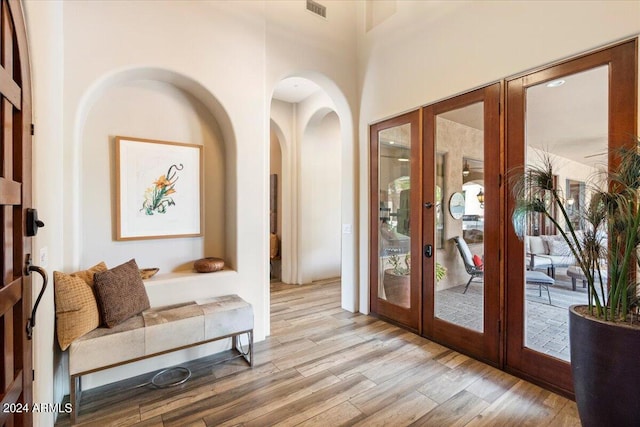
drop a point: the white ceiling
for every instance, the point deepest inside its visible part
(571, 120)
(295, 89)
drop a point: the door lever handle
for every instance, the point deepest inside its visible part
(31, 322)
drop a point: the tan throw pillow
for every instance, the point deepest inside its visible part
(76, 307)
(87, 275)
(120, 293)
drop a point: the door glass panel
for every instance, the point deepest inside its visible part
(459, 296)
(394, 239)
(566, 122)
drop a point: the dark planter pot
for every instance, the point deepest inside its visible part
(605, 361)
(397, 288)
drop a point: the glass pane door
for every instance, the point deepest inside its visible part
(394, 237)
(459, 296)
(461, 212)
(566, 128)
(395, 189)
(572, 116)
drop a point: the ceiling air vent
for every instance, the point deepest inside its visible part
(317, 8)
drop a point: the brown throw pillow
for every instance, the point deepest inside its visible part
(120, 293)
(76, 308)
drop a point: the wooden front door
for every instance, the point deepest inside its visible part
(15, 197)
(547, 112)
(395, 221)
(461, 223)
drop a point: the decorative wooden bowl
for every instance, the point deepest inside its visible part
(208, 265)
(147, 273)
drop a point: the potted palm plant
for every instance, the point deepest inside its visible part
(604, 333)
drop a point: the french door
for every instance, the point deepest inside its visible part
(461, 212)
(395, 221)
(576, 113)
(445, 260)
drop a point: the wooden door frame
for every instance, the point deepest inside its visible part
(408, 318)
(15, 192)
(622, 59)
(485, 346)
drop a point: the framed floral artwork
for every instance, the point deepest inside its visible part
(159, 189)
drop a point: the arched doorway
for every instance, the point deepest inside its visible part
(311, 123)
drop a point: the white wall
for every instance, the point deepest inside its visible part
(320, 178)
(127, 110)
(429, 51)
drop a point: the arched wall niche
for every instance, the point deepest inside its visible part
(156, 104)
(348, 188)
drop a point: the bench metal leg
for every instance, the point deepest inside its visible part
(247, 355)
(75, 391)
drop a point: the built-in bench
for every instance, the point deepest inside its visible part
(157, 331)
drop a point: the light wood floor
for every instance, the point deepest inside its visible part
(323, 366)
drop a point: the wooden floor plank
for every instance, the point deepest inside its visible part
(444, 387)
(340, 415)
(238, 395)
(263, 404)
(401, 412)
(315, 404)
(171, 402)
(523, 405)
(396, 387)
(324, 366)
(455, 412)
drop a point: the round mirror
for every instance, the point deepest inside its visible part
(456, 205)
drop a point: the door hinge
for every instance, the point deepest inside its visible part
(33, 375)
(33, 129)
(500, 180)
(499, 327)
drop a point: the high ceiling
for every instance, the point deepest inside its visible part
(569, 120)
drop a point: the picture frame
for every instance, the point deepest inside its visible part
(159, 189)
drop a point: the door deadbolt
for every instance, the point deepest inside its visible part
(428, 251)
